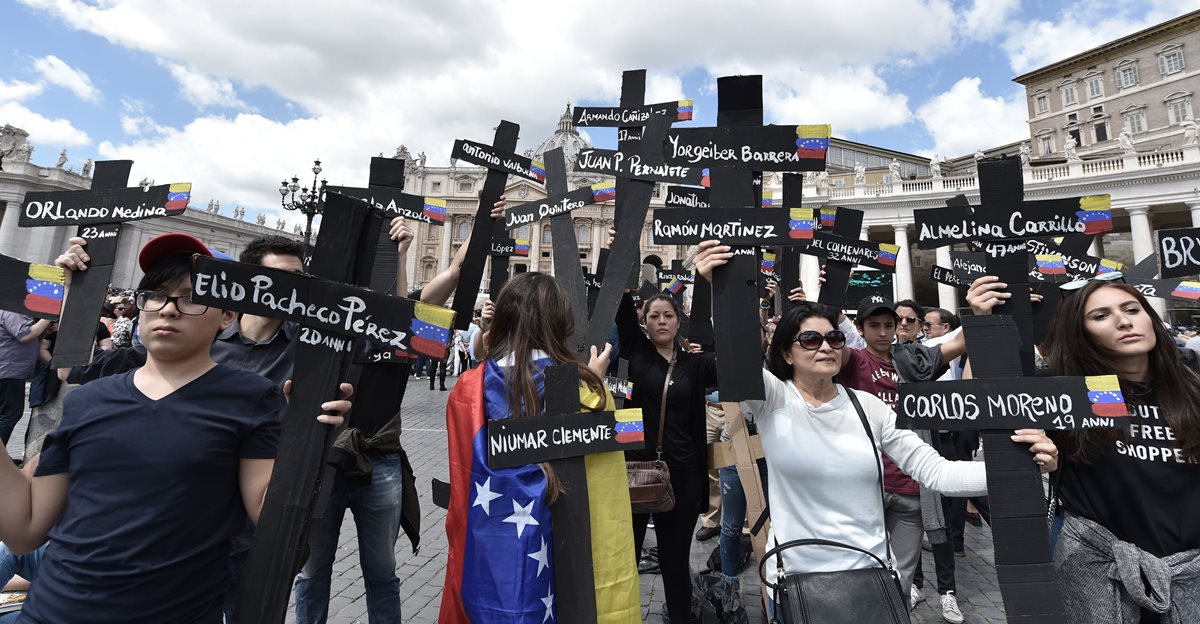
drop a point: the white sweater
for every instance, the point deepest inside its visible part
(822, 476)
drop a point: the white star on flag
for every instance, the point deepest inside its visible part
(484, 496)
(522, 516)
(549, 602)
(541, 557)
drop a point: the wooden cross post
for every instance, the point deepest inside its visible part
(99, 214)
(999, 401)
(1001, 225)
(575, 585)
(500, 162)
(332, 314)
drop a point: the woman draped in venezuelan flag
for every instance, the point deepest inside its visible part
(501, 561)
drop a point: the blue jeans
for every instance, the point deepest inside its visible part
(25, 566)
(376, 509)
(733, 515)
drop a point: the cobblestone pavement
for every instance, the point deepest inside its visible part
(421, 574)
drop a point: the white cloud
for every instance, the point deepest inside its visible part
(367, 76)
(43, 131)
(204, 91)
(987, 18)
(17, 91)
(56, 72)
(963, 119)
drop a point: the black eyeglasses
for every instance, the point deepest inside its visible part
(153, 301)
(811, 340)
(908, 320)
(1070, 287)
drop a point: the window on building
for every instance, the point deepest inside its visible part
(656, 191)
(1127, 75)
(465, 186)
(1047, 142)
(1101, 129)
(1179, 108)
(1135, 121)
(1074, 132)
(1043, 104)
(1069, 95)
(1098, 110)
(546, 234)
(1095, 87)
(427, 272)
(431, 232)
(584, 233)
(435, 187)
(1072, 116)
(462, 230)
(1170, 62)
(522, 232)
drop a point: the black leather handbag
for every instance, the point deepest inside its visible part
(864, 596)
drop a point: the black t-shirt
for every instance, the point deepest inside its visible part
(153, 499)
(1142, 489)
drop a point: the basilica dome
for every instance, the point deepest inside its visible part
(566, 137)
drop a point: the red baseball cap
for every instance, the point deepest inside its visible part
(167, 244)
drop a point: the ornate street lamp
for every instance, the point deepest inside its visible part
(308, 202)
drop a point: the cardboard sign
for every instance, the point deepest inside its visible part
(510, 247)
(30, 288)
(118, 205)
(863, 283)
(394, 202)
(686, 197)
(520, 441)
(621, 388)
(732, 226)
(1013, 403)
(327, 310)
(498, 159)
(1081, 266)
(762, 148)
(937, 227)
(1179, 290)
(635, 166)
(853, 251)
(524, 214)
(1179, 252)
(943, 275)
(619, 116)
(968, 266)
(999, 249)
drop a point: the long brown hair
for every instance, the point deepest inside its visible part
(1071, 351)
(533, 312)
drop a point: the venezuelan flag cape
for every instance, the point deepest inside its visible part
(501, 560)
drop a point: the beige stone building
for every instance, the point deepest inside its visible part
(1141, 84)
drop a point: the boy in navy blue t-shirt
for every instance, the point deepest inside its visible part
(152, 471)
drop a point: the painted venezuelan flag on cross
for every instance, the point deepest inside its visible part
(676, 285)
(768, 262)
(828, 217)
(539, 169)
(1108, 266)
(431, 329)
(1051, 264)
(812, 141)
(1104, 391)
(522, 246)
(434, 208)
(1187, 290)
(888, 253)
(800, 223)
(629, 425)
(44, 289)
(178, 196)
(604, 191)
(499, 530)
(1095, 213)
(705, 179)
(683, 111)
(770, 199)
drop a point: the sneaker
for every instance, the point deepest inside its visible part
(950, 612)
(915, 595)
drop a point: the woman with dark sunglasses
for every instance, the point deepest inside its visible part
(1129, 550)
(831, 489)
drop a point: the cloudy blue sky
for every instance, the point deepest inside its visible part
(233, 95)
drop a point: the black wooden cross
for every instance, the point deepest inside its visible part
(500, 162)
(99, 214)
(1001, 223)
(556, 442)
(332, 315)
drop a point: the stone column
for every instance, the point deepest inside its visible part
(947, 295)
(864, 233)
(1143, 245)
(447, 232)
(598, 228)
(1194, 207)
(904, 283)
(1097, 246)
(535, 246)
(810, 274)
(8, 228)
